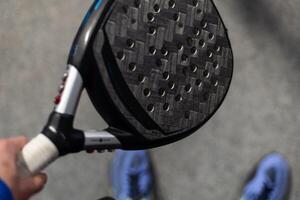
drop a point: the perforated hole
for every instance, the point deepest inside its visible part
(172, 3)
(198, 82)
(206, 73)
(196, 31)
(195, 3)
(152, 50)
(201, 43)
(164, 51)
(132, 67)
(210, 54)
(178, 98)
(211, 36)
(204, 24)
(216, 65)
(130, 43)
(217, 48)
(147, 92)
(150, 108)
(188, 88)
(156, 8)
(166, 75)
(162, 92)
(166, 107)
(176, 17)
(152, 30)
(214, 82)
(137, 3)
(121, 55)
(179, 46)
(171, 85)
(150, 17)
(194, 68)
(194, 50)
(141, 78)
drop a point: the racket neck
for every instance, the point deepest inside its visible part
(59, 128)
(60, 131)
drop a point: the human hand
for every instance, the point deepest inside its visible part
(22, 187)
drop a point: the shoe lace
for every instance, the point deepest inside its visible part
(260, 189)
(136, 183)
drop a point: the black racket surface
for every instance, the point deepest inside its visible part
(163, 67)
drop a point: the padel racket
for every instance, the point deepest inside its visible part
(155, 70)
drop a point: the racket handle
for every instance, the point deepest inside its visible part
(36, 156)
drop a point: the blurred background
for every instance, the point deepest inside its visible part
(261, 113)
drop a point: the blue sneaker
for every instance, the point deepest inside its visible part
(132, 176)
(271, 180)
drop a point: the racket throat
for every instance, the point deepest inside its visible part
(66, 102)
(59, 128)
(60, 131)
(100, 141)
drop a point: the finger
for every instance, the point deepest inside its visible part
(33, 185)
(11, 147)
(17, 143)
(39, 182)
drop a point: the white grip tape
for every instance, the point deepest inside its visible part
(38, 154)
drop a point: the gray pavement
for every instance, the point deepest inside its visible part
(260, 114)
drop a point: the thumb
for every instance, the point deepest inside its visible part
(33, 185)
(39, 182)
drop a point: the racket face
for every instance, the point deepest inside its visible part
(163, 67)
